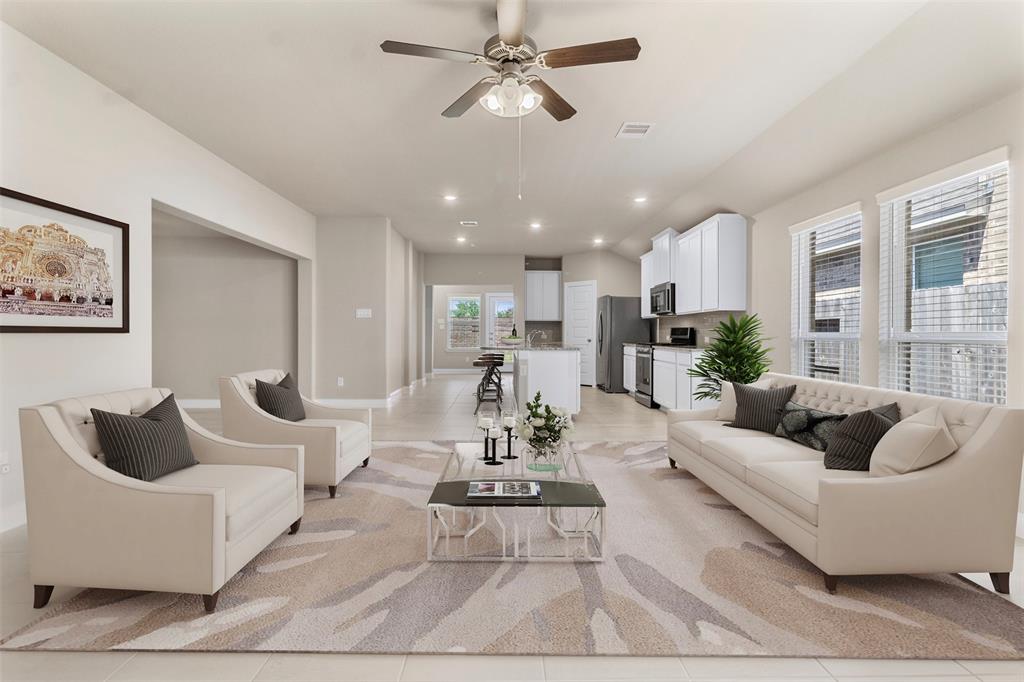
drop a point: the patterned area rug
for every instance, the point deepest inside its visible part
(686, 573)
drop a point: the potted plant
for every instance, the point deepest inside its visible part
(543, 428)
(737, 354)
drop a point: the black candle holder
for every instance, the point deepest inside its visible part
(493, 460)
(509, 437)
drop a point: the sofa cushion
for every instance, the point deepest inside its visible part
(855, 439)
(727, 400)
(808, 426)
(915, 443)
(251, 493)
(281, 399)
(736, 454)
(351, 434)
(760, 409)
(693, 433)
(145, 446)
(794, 485)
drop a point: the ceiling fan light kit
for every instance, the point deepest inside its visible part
(510, 93)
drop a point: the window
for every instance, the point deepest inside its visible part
(500, 317)
(826, 292)
(944, 273)
(463, 322)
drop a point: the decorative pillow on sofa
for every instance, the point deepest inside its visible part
(807, 426)
(856, 437)
(760, 408)
(147, 446)
(727, 401)
(281, 399)
(915, 443)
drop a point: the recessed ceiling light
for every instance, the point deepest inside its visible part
(639, 200)
(460, 239)
(598, 241)
(450, 197)
(535, 226)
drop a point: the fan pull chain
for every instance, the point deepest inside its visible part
(519, 162)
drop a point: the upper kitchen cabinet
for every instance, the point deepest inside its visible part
(661, 262)
(711, 265)
(543, 295)
(646, 281)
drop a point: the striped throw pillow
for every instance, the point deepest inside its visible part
(856, 437)
(281, 399)
(760, 408)
(147, 446)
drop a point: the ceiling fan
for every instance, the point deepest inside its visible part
(510, 92)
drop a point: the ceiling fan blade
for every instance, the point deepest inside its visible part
(624, 50)
(552, 101)
(413, 50)
(511, 21)
(468, 99)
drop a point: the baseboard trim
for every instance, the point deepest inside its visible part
(354, 402)
(456, 371)
(199, 403)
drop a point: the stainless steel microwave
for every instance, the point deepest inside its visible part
(663, 299)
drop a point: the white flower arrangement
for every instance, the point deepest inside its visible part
(543, 426)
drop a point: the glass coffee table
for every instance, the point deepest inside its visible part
(568, 523)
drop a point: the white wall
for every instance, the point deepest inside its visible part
(616, 275)
(69, 139)
(234, 302)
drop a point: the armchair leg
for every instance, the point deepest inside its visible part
(365, 462)
(295, 526)
(333, 490)
(1000, 581)
(671, 462)
(831, 582)
(42, 596)
(210, 601)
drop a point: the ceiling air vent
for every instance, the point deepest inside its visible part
(468, 223)
(631, 130)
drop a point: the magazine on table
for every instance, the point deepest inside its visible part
(508, 489)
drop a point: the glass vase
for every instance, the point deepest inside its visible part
(546, 457)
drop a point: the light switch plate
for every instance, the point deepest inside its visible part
(364, 313)
(341, 382)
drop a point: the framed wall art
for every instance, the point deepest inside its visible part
(61, 269)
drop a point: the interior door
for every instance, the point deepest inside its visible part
(579, 326)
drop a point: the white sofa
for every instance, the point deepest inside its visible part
(336, 440)
(956, 516)
(188, 531)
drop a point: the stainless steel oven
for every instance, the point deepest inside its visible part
(645, 375)
(663, 299)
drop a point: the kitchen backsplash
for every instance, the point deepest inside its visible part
(703, 322)
(552, 331)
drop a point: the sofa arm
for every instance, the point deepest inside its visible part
(90, 526)
(956, 516)
(315, 410)
(692, 415)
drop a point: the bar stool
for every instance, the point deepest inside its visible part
(489, 389)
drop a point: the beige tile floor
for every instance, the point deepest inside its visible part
(442, 409)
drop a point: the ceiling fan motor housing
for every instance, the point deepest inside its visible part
(502, 52)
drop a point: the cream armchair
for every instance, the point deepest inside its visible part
(336, 440)
(188, 531)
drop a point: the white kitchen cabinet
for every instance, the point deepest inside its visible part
(664, 380)
(723, 248)
(688, 273)
(682, 380)
(629, 368)
(543, 295)
(661, 264)
(646, 282)
(555, 373)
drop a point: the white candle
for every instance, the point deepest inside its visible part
(509, 422)
(485, 422)
(494, 433)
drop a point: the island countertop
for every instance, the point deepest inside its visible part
(532, 349)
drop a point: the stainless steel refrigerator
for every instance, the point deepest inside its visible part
(618, 322)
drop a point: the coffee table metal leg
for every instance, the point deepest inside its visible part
(501, 524)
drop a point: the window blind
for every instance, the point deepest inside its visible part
(944, 276)
(826, 300)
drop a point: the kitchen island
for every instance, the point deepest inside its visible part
(551, 368)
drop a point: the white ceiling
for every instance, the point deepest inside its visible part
(299, 96)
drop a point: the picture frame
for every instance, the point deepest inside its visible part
(62, 269)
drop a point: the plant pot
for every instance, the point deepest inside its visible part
(546, 457)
